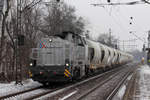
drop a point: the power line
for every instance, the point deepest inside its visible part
(137, 36)
(118, 24)
(115, 4)
(128, 40)
(138, 26)
(146, 1)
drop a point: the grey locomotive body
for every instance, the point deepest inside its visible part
(71, 57)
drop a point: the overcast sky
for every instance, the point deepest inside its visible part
(115, 17)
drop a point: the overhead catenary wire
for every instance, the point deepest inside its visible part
(121, 28)
(127, 3)
(115, 21)
(146, 1)
(123, 3)
(31, 5)
(137, 25)
(137, 37)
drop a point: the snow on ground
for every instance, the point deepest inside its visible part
(142, 90)
(144, 83)
(145, 69)
(121, 91)
(12, 87)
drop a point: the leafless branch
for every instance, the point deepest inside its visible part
(9, 34)
(146, 1)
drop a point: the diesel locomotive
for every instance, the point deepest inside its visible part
(71, 56)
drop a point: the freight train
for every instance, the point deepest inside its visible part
(70, 56)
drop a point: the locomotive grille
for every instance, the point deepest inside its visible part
(53, 54)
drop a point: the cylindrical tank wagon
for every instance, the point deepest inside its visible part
(104, 56)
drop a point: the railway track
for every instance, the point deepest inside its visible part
(99, 85)
(122, 81)
(40, 93)
(18, 93)
(114, 92)
(85, 95)
(82, 83)
(30, 94)
(66, 88)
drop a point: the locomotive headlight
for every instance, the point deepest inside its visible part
(31, 64)
(67, 64)
(30, 74)
(50, 40)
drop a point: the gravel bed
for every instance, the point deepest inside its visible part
(27, 95)
(103, 92)
(139, 86)
(6, 89)
(86, 86)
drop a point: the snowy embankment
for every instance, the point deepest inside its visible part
(13, 88)
(122, 90)
(140, 87)
(144, 83)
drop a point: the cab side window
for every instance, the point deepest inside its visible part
(79, 41)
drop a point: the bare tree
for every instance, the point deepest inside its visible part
(3, 44)
(61, 17)
(105, 39)
(31, 20)
(31, 30)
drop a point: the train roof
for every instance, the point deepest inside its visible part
(105, 46)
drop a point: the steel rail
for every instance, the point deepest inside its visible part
(44, 93)
(41, 94)
(61, 90)
(131, 84)
(97, 86)
(55, 92)
(114, 92)
(18, 93)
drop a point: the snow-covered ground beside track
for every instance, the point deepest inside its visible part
(13, 88)
(141, 85)
(144, 83)
(122, 90)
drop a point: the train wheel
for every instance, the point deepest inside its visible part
(92, 71)
(87, 71)
(45, 83)
(104, 69)
(76, 74)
